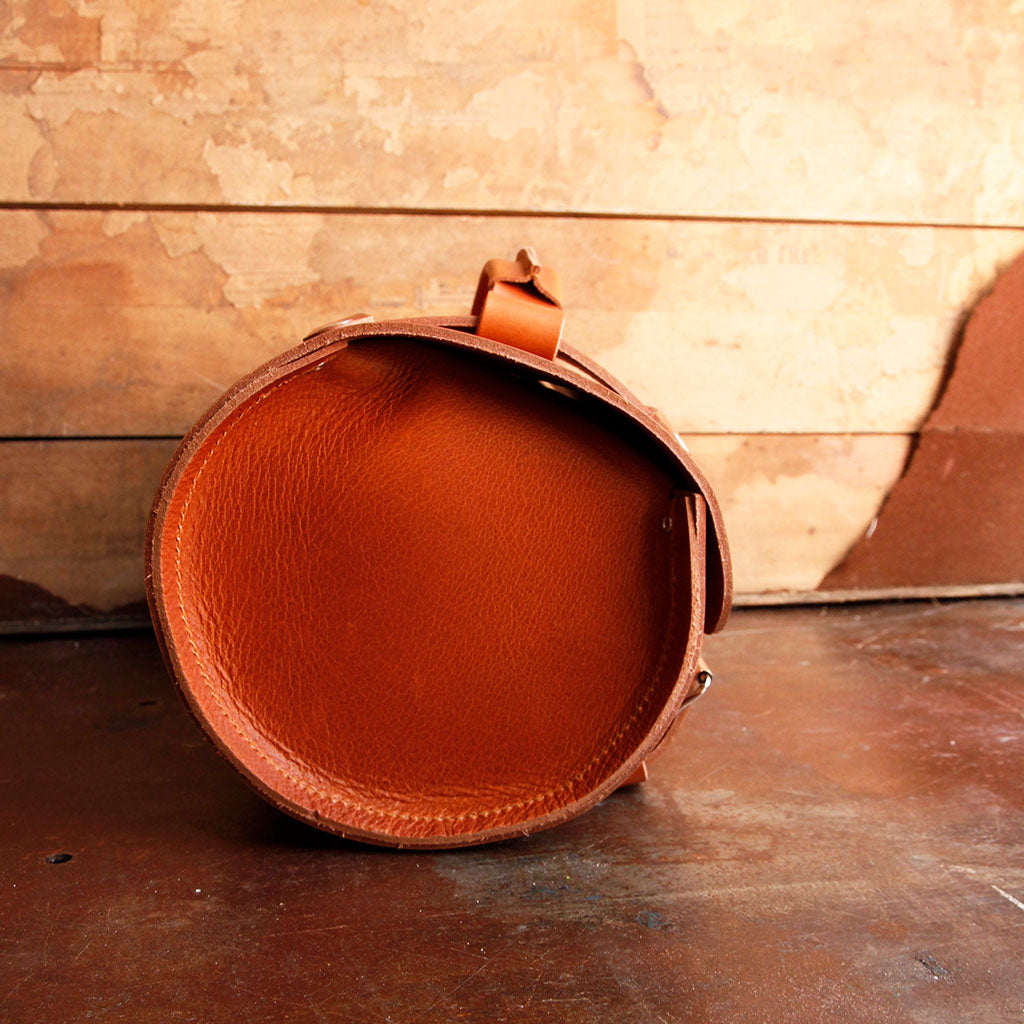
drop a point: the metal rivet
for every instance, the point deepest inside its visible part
(666, 524)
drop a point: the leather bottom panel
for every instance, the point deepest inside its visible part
(411, 595)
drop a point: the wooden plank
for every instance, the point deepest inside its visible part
(131, 323)
(73, 516)
(794, 505)
(824, 597)
(73, 513)
(904, 112)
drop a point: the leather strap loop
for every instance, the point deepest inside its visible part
(696, 539)
(519, 303)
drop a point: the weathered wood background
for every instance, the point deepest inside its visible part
(771, 220)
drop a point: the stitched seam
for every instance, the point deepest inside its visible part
(308, 787)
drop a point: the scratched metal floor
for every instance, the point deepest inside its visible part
(837, 834)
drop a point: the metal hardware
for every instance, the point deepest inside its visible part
(704, 678)
(346, 321)
(532, 258)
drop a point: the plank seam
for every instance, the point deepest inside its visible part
(468, 212)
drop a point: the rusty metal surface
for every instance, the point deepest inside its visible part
(837, 833)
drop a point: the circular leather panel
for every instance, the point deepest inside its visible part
(413, 596)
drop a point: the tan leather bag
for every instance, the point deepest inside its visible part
(437, 582)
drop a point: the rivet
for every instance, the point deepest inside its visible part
(346, 321)
(666, 524)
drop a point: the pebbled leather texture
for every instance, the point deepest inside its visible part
(423, 589)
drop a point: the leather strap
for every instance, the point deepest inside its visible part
(573, 369)
(519, 303)
(696, 526)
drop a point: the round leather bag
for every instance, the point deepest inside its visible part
(423, 588)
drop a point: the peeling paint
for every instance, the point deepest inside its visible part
(56, 97)
(21, 238)
(261, 255)
(23, 142)
(246, 174)
(523, 102)
(119, 221)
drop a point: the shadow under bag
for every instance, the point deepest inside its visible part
(436, 582)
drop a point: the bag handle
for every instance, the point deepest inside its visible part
(519, 303)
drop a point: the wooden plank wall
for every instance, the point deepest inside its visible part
(770, 219)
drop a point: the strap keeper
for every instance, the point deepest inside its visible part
(519, 303)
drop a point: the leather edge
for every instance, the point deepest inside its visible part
(452, 331)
